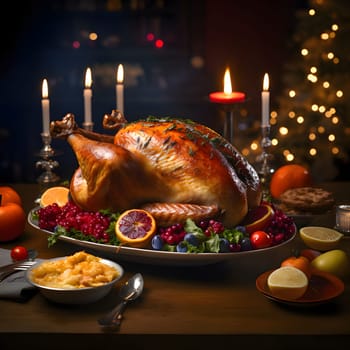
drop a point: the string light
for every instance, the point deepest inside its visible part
(292, 93)
(312, 107)
(335, 150)
(331, 137)
(312, 136)
(274, 142)
(290, 157)
(339, 93)
(313, 151)
(313, 70)
(254, 145)
(283, 130)
(322, 109)
(335, 120)
(300, 119)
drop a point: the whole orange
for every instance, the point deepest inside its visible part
(12, 221)
(289, 176)
(10, 195)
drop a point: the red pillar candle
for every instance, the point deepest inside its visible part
(227, 96)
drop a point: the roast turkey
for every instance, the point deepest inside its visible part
(172, 167)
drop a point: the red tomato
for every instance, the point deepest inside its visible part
(260, 239)
(19, 253)
(300, 262)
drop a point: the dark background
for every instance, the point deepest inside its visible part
(201, 38)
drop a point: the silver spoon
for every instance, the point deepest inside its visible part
(131, 290)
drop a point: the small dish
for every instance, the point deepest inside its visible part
(76, 296)
(323, 287)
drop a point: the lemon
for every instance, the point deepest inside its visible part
(287, 282)
(335, 261)
(320, 238)
(56, 194)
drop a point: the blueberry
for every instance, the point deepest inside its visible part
(241, 229)
(181, 247)
(191, 239)
(246, 244)
(224, 245)
(157, 242)
(235, 247)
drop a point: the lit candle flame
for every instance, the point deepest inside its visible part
(266, 82)
(120, 74)
(88, 78)
(227, 82)
(45, 89)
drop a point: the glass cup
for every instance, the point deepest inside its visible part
(342, 218)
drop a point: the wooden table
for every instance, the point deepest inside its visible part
(182, 307)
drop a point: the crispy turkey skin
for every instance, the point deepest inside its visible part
(166, 165)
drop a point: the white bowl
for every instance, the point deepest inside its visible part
(76, 295)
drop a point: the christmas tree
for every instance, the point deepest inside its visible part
(312, 123)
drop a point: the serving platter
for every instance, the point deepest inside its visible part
(150, 256)
(323, 287)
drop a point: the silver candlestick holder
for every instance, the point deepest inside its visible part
(48, 178)
(264, 166)
(88, 126)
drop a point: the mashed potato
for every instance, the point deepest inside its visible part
(80, 270)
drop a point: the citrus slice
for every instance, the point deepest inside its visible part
(287, 282)
(135, 227)
(320, 238)
(56, 194)
(258, 218)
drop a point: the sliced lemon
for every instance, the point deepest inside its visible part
(320, 238)
(288, 283)
(56, 194)
(135, 227)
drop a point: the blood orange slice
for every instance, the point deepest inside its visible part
(135, 227)
(258, 218)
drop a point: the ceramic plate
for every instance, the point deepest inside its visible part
(159, 257)
(323, 287)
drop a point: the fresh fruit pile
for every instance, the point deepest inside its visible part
(291, 279)
(263, 227)
(72, 221)
(211, 236)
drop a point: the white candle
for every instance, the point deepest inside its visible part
(343, 218)
(45, 104)
(120, 88)
(87, 96)
(265, 100)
